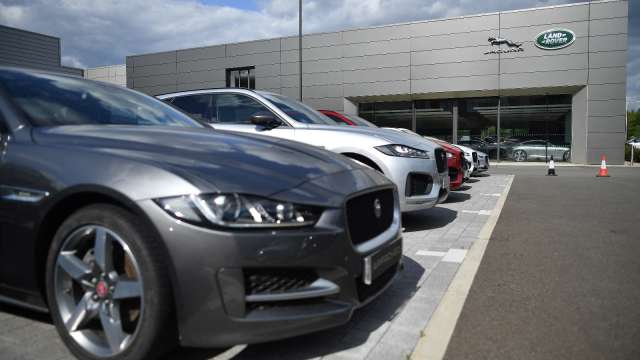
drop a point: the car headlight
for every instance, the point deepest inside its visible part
(403, 151)
(238, 211)
(449, 155)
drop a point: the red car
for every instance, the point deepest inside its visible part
(455, 157)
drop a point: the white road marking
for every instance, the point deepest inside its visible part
(455, 256)
(479, 212)
(496, 194)
(431, 253)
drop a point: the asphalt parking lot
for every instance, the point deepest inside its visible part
(559, 278)
(435, 243)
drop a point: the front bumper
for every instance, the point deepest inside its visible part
(401, 170)
(209, 269)
(483, 164)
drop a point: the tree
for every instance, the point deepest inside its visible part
(633, 118)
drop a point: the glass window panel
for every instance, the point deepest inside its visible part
(244, 79)
(435, 118)
(535, 128)
(478, 123)
(396, 114)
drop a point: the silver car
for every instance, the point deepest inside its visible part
(540, 150)
(418, 167)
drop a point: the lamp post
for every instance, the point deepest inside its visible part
(300, 44)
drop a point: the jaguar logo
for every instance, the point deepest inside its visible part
(512, 46)
(377, 208)
(501, 41)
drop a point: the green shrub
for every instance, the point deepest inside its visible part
(627, 154)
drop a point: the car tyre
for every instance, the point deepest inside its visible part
(123, 313)
(519, 155)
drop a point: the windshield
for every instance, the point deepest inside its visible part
(359, 121)
(52, 100)
(297, 110)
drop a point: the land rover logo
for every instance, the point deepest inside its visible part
(377, 208)
(555, 39)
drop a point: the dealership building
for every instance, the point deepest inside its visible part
(553, 77)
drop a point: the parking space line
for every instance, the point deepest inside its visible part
(455, 256)
(431, 253)
(496, 194)
(479, 212)
(436, 336)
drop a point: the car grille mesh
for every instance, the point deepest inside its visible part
(270, 281)
(441, 160)
(362, 222)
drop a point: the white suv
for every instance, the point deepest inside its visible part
(418, 167)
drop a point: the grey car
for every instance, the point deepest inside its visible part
(540, 150)
(138, 228)
(417, 166)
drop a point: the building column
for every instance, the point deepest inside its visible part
(350, 107)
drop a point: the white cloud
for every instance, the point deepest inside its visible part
(98, 33)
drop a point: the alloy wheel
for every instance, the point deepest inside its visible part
(519, 155)
(99, 290)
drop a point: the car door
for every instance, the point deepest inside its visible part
(4, 139)
(536, 150)
(233, 111)
(21, 190)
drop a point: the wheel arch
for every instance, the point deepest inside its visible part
(64, 205)
(363, 159)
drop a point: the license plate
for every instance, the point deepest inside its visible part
(378, 262)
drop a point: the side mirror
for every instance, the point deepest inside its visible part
(265, 119)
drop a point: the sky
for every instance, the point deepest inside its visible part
(96, 33)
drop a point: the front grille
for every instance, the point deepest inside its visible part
(465, 162)
(362, 220)
(474, 156)
(270, 281)
(418, 184)
(367, 291)
(441, 160)
(453, 173)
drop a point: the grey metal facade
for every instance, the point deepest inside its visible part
(28, 49)
(431, 60)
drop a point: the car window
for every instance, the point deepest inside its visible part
(53, 100)
(235, 108)
(297, 110)
(360, 121)
(335, 118)
(196, 106)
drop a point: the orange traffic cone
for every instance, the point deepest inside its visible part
(603, 167)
